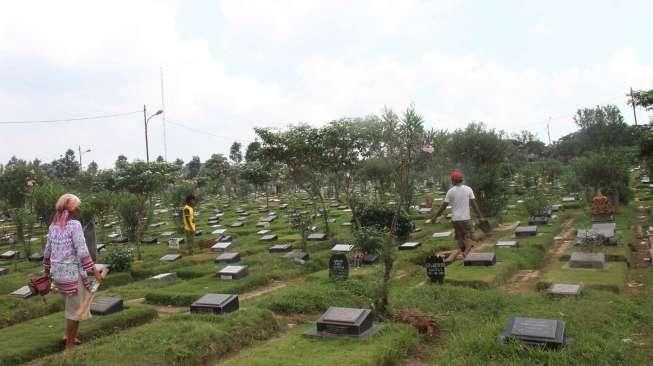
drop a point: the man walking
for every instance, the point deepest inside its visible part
(460, 197)
(189, 221)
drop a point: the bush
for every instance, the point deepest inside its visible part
(369, 239)
(536, 204)
(120, 258)
(380, 217)
(606, 171)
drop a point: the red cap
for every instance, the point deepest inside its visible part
(457, 176)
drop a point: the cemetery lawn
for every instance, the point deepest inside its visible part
(393, 343)
(480, 276)
(611, 278)
(186, 339)
(42, 336)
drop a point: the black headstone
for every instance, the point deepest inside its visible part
(345, 321)
(225, 239)
(280, 248)
(480, 259)
(104, 305)
(435, 268)
(3, 271)
(119, 240)
(228, 257)
(37, 257)
(339, 266)
(149, 240)
(233, 272)
(215, 304)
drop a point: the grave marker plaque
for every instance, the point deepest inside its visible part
(10, 254)
(564, 289)
(480, 259)
(410, 245)
(3, 271)
(297, 255)
(280, 248)
(587, 260)
(269, 237)
(316, 236)
(540, 332)
(22, 293)
(168, 233)
(104, 305)
(171, 276)
(232, 272)
(435, 268)
(507, 244)
(263, 232)
(170, 257)
(337, 321)
(342, 248)
(36, 257)
(220, 247)
(149, 240)
(228, 257)
(526, 231)
(444, 234)
(338, 266)
(119, 240)
(215, 304)
(237, 224)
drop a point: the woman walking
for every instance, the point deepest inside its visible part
(67, 259)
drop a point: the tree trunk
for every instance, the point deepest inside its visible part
(91, 240)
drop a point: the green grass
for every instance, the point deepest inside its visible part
(612, 277)
(388, 347)
(42, 336)
(480, 276)
(13, 310)
(178, 340)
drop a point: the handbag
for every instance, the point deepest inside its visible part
(40, 285)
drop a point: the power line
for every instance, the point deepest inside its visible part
(202, 132)
(68, 119)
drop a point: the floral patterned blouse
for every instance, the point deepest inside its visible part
(66, 257)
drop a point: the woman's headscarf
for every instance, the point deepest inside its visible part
(64, 206)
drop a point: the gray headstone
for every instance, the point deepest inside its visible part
(3, 271)
(232, 272)
(542, 332)
(104, 305)
(263, 232)
(410, 245)
(170, 257)
(507, 244)
(228, 257)
(565, 289)
(316, 236)
(215, 303)
(220, 246)
(149, 240)
(480, 259)
(280, 248)
(219, 231)
(22, 293)
(342, 248)
(443, 234)
(168, 233)
(10, 254)
(269, 237)
(587, 260)
(171, 276)
(526, 230)
(338, 321)
(237, 224)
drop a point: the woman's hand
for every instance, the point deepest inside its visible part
(98, 275)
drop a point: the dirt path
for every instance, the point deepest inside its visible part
(272, 286)
(525, 280)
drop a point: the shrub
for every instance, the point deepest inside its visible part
(120, 258)
(536, 204)
(380, 217)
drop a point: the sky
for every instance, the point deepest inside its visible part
(229, 66)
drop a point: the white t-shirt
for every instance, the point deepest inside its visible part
(458, 197)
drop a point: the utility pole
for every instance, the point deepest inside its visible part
(147, 147)
(79, 149)
(633, 102)
(163, 107)
(548, 130)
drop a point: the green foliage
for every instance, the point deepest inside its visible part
(536, 203)
(13, 181)
(174, 197)
(128, 206)
(380, 217)
(302, 223)
(142, 178)
(490, 188)
(606, 171)
(44, 197)
(643, 98)
(120, 258)
(192, 168)
(369, 239)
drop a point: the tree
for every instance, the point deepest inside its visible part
(258, 175)
(235, 154)
(643, 98)
(605, 171)
(92, 168)
(121, 162)
(43, 198)
(160, 159)
(179, 163)
(14, 182)
(192, 169)
(66, 168)
(213, 173)
(141, 180)
(253, 151)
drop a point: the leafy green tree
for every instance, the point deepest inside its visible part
(253, 151)
(14, 182)
(235, 153)
(605, 171)
(179, 163)
(92, 168)
(121, 162)
(193, 167)
(214, 173)
(258, 175)
(160, 159)
(66, 168)
(43, 198)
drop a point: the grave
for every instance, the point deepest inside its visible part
(168, 233)
(342, 248)
(280, 248)
(119, 240)
(316, 236)
(228, 257)
(171, 276)
(10, 254)
(297, 255)
(198, 232)
(435, 268)
(156, 225)
(220, 246)
(538, 220)
(215, 304)
(149, 240)
(237, 224)
(22, 293)
(443, 234)
(170, 257)
(347, 223)
(564, 289)
(262, 224)
(100, 247)
(507, 244)
(410, 245)
(225, 239)
(587, 260)
(3, 271)
(337, 321)
(526, 231)
(556, 208)
(480, 259)
(105, 305)
(568, 199)
(539, 332)
(232, 272)
(269, 237)
(338, 266)
(219, 231)
(36, 257)
(263, 232)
